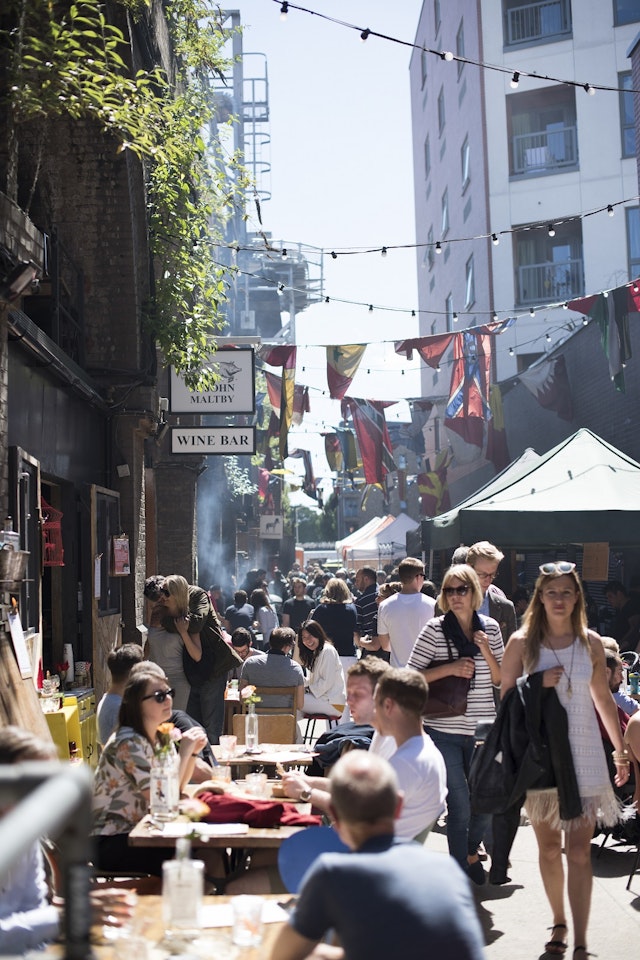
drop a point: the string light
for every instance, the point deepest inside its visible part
(326, 299)
(548, 338)
(551, 230)
(589, 89)
(565, 305)
(510, 351)
(383, 252)
(515, 80)
(585, 321)
(438, 247)
(370, 308)
(284, 10)
(495, 239)
(281, 287)
(605, 294)
(455, 317)
(334, 255)
(610, 210)
(495, 317)
(635, 288)
(365, 35)
(284, 253)
(447, 55)
(532, 312)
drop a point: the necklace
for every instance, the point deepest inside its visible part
(560, 664)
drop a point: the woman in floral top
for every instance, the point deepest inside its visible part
(121, 788)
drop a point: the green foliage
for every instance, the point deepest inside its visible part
(69, 61)
(238, 480)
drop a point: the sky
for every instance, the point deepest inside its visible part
(342, 176)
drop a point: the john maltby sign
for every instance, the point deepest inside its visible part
(212, 440)
(233, 392)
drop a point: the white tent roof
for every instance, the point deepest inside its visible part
(387, 542)
(363, 533)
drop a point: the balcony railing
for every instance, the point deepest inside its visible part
(545, 151)
(538, 21)
(547, 282)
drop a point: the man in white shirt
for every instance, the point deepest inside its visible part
(402, 616)
(401, 696)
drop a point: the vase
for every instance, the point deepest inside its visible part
(251, 729)
(164, 787)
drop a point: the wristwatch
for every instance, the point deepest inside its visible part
(305, 796)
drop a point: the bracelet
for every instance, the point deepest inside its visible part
(620, 755)
(620, 762)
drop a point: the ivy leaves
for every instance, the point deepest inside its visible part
(70, 61)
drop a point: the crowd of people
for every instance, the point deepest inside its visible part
(378, 653)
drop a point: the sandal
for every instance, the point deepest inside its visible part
(558, 947)
(584, 950)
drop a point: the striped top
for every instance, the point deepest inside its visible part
(432, 646)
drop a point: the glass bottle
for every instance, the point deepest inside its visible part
(182, 889)
(251, 729)
(164, 787)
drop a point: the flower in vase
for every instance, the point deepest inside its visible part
(166, 735)
(248, 694)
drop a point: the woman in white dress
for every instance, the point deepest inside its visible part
(554, 640)
(324, 689)
(266, 617)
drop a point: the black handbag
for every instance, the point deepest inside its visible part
(447, 696)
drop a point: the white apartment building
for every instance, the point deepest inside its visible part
(496, 152)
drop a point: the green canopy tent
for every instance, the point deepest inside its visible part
(581, 491)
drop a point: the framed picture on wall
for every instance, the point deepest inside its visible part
(120, 564)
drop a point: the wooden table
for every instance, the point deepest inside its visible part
(237, 836)
(232, 705)
(270, 754)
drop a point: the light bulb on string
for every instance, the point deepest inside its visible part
(585, 321)
(413, 313)
(334, 255)
(284, 10)
(365, 34)
(590, 90)
(455, 317)
(495, 239)
(326, 299)
(610, 210)
(548, 338)
(635, 288)
(370, 308)
(605, 294)
(438, 369)
(510, 351)
(515, 80)
(281, 288)
(565, 305)
(532, 312)
(383, 252)
(438, 247)
(283, 253)
(551, 230)
(495, 317)
(447, 55)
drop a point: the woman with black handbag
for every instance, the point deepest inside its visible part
(451, 649)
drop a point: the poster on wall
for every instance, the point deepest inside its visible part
(120, 565)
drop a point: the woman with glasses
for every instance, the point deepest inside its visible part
(464, 645)
(121, 786)
(165, 647)
(556, 646)
(324, 687)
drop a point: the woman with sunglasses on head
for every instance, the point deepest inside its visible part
(324, 688)
(121, 786)
(556, 648)
(471, 647)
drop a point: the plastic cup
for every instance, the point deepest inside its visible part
(228, 746)
(257, 784)
(247, 920)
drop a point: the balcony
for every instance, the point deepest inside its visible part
(549, 282)
(543, 152)
(537, 22)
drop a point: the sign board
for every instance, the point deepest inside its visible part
(233, 393)
(270, 527)
(212, 440)
(595, 561)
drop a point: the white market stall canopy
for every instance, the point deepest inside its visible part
(388, 543)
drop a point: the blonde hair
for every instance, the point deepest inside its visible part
(336, 591)
(534, 621)
(178, 587)
(485, 550)
(466, 574)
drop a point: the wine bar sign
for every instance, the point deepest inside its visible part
(213, 440)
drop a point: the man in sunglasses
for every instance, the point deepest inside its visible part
(485, 559)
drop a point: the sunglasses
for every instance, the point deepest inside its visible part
(459, 591)
(563, 566)
(161, 695)
(164, 592)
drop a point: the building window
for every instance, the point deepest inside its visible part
(543, 132)
(469, 287)
(549, 269)
(427, 158)
(625, 11)
(441, 115)
(465, 167)
(436, 15)
(527, 22)
(460, 46)
(633, 241)
(423, 67)
(445, 214)
(627, 117)
(430, 249)
(448, 310)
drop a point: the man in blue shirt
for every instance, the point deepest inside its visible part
(388, 898)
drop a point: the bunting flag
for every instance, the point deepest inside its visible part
(263, 483)
(497, 450)
(549, 383)
(373, 437)
(350, 459)
(433, 488)
(431, 349)
(342, 365)
(285, 357)
(309, 481)
(468, 405)
(333, 452)
(301, 403)
(611, 312)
